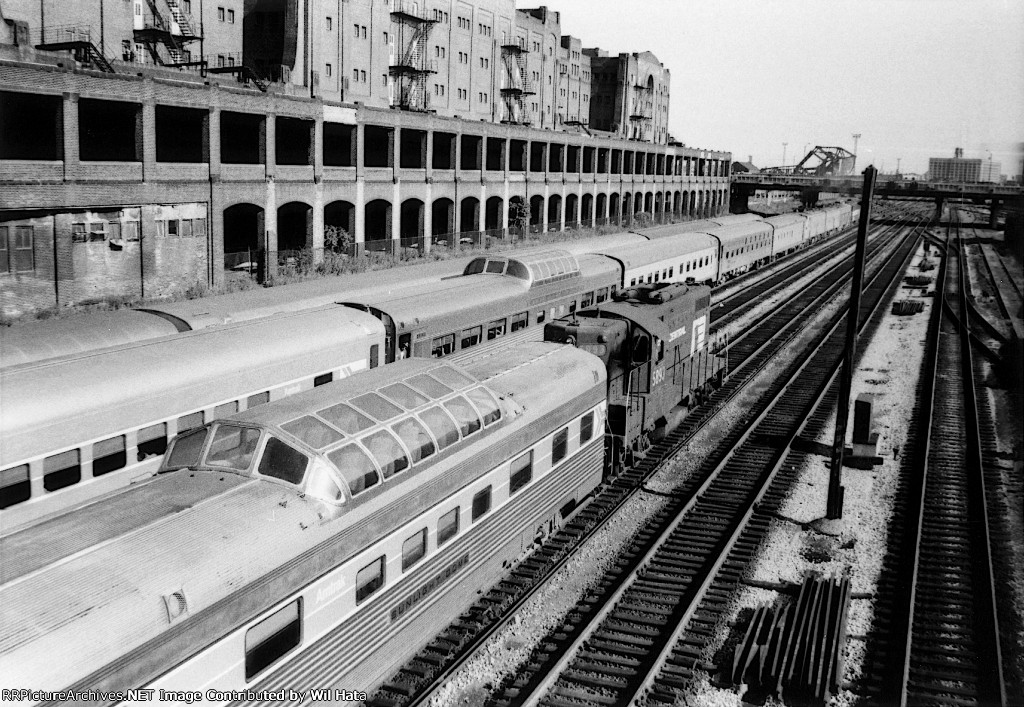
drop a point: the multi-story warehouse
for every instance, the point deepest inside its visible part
(155, 168)
(960, 170)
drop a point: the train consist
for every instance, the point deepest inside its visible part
(318, 540)
(129, 381)
(313, 531)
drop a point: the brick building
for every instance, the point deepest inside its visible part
(963, 170)
(143, 179)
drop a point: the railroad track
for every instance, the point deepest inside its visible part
(937, 638)
(443, 655)
(658, 624)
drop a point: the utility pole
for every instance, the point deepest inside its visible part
(834, 509)
(856, 137)
(784, 153)
(898, 159)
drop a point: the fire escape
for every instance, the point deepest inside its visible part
(172, 29)
(641, 114)
(409, 66)
(74, 39)
(517, 84)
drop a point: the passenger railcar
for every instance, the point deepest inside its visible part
(314, 542)
(653, 340)
(789, 233)
(741, 247)
(686, 256)
(77, 427)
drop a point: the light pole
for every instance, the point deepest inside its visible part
(856, 137)
(898, 159)
(784, 154)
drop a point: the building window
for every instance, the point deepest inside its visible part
(220, 14)
(355, 74)
(362, 76)
(328, 69)
(356, 30)
(330, 24)
(231, 16)
(220, 60)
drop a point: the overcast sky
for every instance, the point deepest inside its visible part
(916, 78)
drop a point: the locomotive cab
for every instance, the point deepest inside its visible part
(653, 342)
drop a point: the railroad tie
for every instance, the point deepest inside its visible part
(794, 649)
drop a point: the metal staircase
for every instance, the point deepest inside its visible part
(517, 84)
(409, 66)
(168, 27)
(642, 111)
(78, 41)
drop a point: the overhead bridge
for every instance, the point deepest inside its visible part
(995, 195)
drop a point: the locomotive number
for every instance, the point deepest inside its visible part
(658, 376)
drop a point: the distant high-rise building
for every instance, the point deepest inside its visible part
(961, 170)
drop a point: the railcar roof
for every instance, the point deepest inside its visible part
(739, 231)
(100, 393)
(673, 229)
(786, 219)
(656, 251)
(265, 301)
(51, 338)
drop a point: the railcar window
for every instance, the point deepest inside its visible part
(464, 415)
(404, 395)
(376, 407)
(323, 379)
(586, 427)
(520, 321)
(481, 502)
(447, 526)
(518, 270)
(496, 266)
(441, 425)
(413, 549)
(272, 638)
(560, 445)
(475, 266)
(521, 472)
(108, 455)
(225, 410)
(346, 418)
(602, 295)
(442, 345)
(313, 432)
(152, 440)
(374, 355)
(390, 456)
(588, 299)
(356, 468)
(486, 404)
(471, 336)
(15, 486)
(282, 461)
(451, 377)
(257, 399)
(190, 422)
(186, 449)
(429, 385)
(233, 447)
(540, 317)
(496, 329)
(62, 470)
(369, 579)
(572, 306)
(415, 438)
